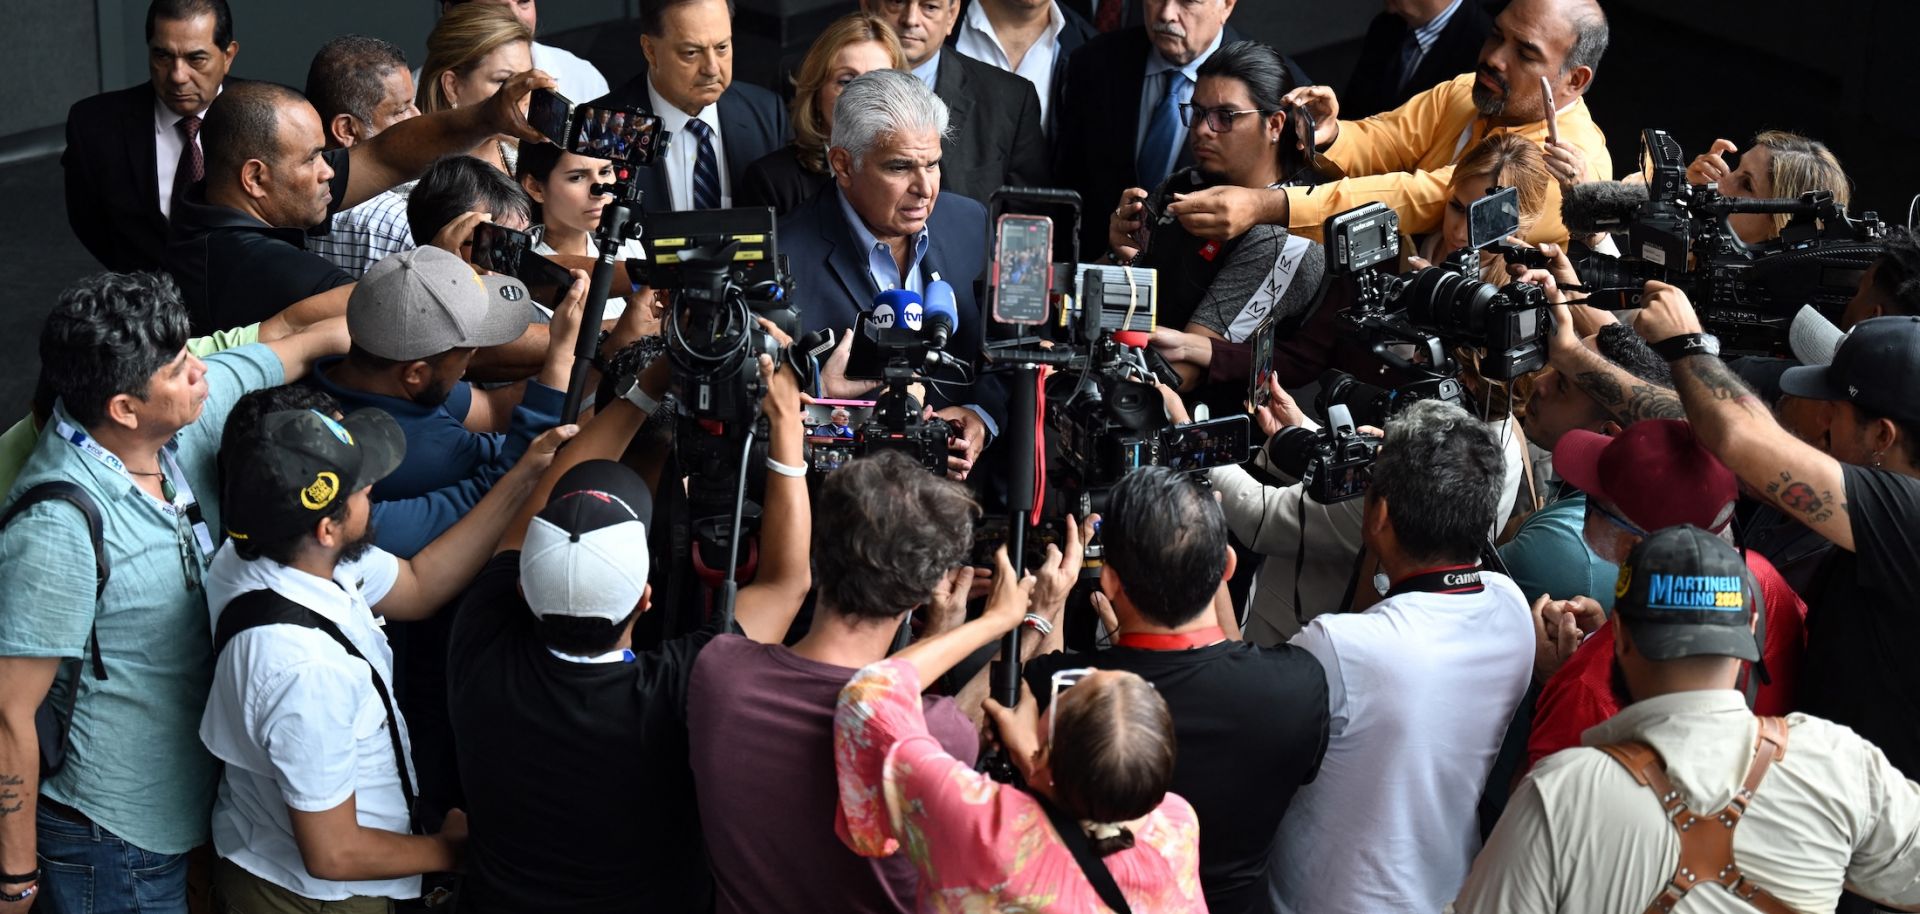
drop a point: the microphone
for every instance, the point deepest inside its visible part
(1601, 206)
(942, 317)
(893, 307)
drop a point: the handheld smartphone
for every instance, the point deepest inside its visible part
(1262, 362)
(1199, 446)
(1022, 268)
(1553, 111)
(499, 249)
(1493, 218)
(625, 135)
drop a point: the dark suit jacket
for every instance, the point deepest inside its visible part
(994, 135)
(1455, 50)
(753, 123)
(777, 179)
(832, 286)
(1097, 123)
(113, 193)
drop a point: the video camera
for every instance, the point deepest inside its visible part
(1677, 233)
(1438, 306)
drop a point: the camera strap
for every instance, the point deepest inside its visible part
(1449, 579)
(1172, 641)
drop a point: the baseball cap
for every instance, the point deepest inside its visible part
(420, 303)
(1655, 472)
(1813, 337)
(1876, 366)
(1683, 592)
(585, 554)
(299, 464)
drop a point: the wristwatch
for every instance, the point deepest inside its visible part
(629, 389)
(1675, 348)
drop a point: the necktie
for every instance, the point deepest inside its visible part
(193, 165)
(1163, 134)
(706, 167)
(1106, 16)
(1409, 59)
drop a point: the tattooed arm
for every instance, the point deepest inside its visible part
(24, 681)
(1733, 423)
(1626, 398)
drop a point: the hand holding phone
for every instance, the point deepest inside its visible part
(1553, 111)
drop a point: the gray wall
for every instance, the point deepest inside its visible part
(52, 62)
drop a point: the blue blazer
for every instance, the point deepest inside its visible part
(753, 123)
(832, 287)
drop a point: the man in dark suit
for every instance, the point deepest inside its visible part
(719, 127)
(1028, 38)
(1411, 47)
(1118, 122)
(996, 137)
(129, 151)
(879, 228)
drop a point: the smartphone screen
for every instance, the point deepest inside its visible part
(1200, 446)
(1022, 269)
(1262, 362)
(618, 134)
(1493, 218)
(499, 249)
(548, 112)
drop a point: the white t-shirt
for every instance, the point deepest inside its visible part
(1420, 689)
(579, 80)
(298, 723)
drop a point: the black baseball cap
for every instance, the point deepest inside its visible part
(299, 464)
(1684, 592)
(1877, 367)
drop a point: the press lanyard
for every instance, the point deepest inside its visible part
(1178, 641)
(183, 503)
(1451, 579)
(620, 656)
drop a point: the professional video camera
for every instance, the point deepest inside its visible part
(901, 341)
(1439, 306)
(1677, 233)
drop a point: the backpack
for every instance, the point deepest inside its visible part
(54, 718)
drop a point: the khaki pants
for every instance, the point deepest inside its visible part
(236, 891)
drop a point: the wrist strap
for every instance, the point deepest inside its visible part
(1038, 623)
(642, 400)
(1679, 347)
(788, 470)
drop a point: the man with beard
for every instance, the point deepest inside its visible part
(1405, 157)
(318, 796)
(1686, 787)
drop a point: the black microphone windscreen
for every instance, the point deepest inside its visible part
(1601, 206)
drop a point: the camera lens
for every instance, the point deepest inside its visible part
(1291, 448)
(1367, 403)
(1449, 305)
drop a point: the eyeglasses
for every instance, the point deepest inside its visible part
(1062, 680)
(1220, 119)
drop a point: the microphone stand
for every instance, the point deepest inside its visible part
(610, 237)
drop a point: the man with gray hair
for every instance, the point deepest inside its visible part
(1420, 686)
(879, 228)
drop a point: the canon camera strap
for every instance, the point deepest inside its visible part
(1452, 579)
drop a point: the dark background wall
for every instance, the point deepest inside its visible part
(1841, 71)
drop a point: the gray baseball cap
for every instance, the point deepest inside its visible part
(420, 303)
(1814, 338)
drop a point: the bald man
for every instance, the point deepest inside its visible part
(1405, 157)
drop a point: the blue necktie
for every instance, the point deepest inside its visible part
(1163, 134)
(706, 168)
(1409, 59)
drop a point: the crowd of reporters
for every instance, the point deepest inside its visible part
(321, 598)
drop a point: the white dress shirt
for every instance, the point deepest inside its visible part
(298, 723)
(167, 145)
(579, 80)
(979, 41)
(685, 149)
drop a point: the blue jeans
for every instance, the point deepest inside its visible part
(85, 869)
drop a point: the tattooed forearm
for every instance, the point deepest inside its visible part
(1650, 401)
(1802, 499)
(11, 799)
(1719, 380)
(1601, 386)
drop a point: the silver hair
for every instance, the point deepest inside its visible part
(1440, 471)
(883, 102)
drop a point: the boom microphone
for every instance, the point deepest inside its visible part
(1601, 206)
(942, 317)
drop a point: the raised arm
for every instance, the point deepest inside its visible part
(401, 152)
(765, 608)
(1733, 423)
(299, 350)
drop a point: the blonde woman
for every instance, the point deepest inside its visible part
(788, 177)
(473, 50)
(1499, 161)
(1778, 165)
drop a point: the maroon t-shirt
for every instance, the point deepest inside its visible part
(760, 718)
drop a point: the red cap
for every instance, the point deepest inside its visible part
(1655, 473)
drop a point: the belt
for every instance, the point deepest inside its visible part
(62, 810)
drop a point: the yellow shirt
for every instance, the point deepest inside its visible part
(1404, 158)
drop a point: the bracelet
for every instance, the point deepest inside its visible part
(24, 894)
(641, 399)
(1675, 348)
(21, 879)
(1038, 624)
(788, 470)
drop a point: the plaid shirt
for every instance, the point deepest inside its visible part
(359, 237)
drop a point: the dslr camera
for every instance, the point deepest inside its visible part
(1333, 464)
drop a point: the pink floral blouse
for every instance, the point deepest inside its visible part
(981, 846)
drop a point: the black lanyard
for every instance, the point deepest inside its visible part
(1451, 579)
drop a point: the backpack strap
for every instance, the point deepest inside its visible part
(257, 608)
(63, 490)
(1091, 865)
(1706, 842)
